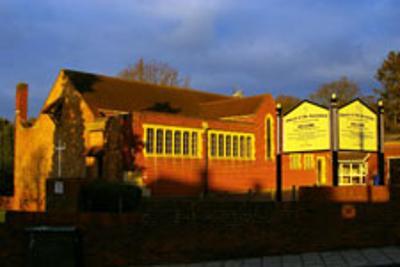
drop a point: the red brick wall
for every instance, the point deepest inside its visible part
(302, 177)
(309, 177)
(345, 194)
(182, 177)
(164, 232)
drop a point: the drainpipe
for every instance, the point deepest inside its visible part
(205, 174)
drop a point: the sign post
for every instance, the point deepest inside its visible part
(278, 195)
(334, 140)
(358, 127)
(381, 142)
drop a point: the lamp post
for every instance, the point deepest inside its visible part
(334, 139)
(278, 195)
(381, 143)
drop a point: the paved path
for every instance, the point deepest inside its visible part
(383, 256)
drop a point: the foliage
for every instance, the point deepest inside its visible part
(105, 196)
(6, 156)
(155, 72)
(287, 102)
(389, 76)
(345, 91)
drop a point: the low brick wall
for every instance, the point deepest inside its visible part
(361, 194)
(176, 231)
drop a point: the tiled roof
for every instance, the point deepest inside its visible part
(110, 93)
(231, 107)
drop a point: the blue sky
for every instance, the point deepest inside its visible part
(261, 46)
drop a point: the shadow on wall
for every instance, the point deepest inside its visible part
(169, 186)
(174, 186)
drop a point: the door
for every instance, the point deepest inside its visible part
(321, 171)
(394, 171)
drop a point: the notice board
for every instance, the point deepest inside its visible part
(306, 128)
(358, 127)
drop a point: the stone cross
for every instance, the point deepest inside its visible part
(59, 148)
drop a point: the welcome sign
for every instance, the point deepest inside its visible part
(357, 127)
(306, 128)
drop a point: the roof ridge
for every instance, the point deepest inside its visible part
(232, 99)
(175, 88)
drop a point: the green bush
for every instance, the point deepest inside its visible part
(104, 196)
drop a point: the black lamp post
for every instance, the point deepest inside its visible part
(381, 143)
(334, 139)
(278, 195)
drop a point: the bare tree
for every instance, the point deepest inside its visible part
(344, 89)
(287, 101)
(155, 72)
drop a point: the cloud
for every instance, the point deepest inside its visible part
(185, 25)
(274, 46)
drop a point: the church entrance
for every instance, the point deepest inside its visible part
(394, 171)
(321, 171)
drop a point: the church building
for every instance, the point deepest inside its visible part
(170, 141)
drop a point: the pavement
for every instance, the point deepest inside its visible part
(382, 256)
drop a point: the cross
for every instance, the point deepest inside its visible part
(59, 148)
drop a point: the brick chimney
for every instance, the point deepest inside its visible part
(21, 101)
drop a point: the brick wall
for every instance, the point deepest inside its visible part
(187, 231)
(185, 177)
(363, 194)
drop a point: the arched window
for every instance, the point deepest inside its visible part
(269, 138)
